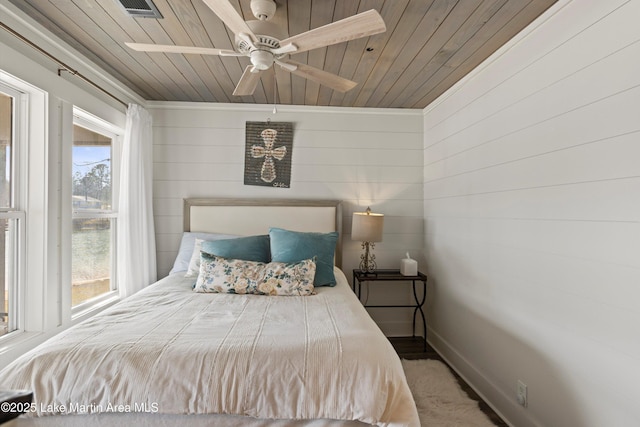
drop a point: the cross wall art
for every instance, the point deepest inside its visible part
(267, 159)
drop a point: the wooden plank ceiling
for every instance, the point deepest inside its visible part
(428, 46)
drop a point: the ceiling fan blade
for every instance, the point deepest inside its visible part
(361, 25)
(167, 48)
(320, 76)
(248, 81)
(287, 48)
(230, 16)
(286, 65)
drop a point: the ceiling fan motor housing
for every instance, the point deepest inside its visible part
(267, 33)
(268, 37)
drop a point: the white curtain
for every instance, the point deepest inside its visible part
(136, 234)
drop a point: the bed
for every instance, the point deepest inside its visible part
(177, 354)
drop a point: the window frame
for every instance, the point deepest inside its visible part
(27, 133)
(16, 280)
(88, 121)
(15, 211)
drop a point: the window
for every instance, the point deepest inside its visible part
(94, 189)
(11, 217)
(38, 218)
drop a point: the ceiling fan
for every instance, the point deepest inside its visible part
(265, 43)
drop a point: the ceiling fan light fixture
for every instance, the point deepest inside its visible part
(261, 59)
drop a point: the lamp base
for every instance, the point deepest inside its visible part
(368, 259)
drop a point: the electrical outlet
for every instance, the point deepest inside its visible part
(522, 394)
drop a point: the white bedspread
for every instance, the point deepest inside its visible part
(172, 351)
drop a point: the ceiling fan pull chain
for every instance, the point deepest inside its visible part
(275, 91)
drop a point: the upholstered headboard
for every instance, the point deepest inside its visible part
(255, 216)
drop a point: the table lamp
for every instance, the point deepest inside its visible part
(367, 228)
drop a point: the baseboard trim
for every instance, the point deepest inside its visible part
(483, 386)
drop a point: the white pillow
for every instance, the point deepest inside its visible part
(181, 263)
(194, 262)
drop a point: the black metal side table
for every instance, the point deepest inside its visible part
(395, 276)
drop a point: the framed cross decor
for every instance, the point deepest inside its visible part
(267, 159)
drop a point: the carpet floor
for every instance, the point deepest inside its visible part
(440, 400)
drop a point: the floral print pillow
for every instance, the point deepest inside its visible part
(235, 276)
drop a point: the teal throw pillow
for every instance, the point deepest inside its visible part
(294, 246)
(250, 248)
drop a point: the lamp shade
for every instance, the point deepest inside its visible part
(367, 226)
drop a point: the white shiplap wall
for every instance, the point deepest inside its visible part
(362, 157)
(532, 208)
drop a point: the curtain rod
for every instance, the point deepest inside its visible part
(64, 67)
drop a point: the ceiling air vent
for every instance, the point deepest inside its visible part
(141, 8)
